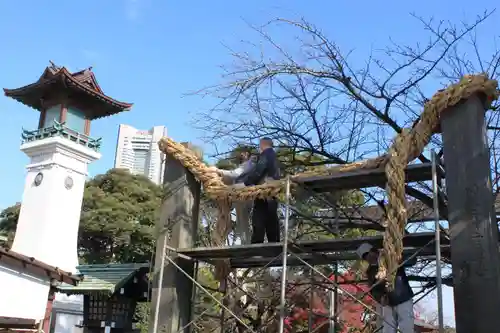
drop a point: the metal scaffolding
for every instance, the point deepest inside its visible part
(290, 253)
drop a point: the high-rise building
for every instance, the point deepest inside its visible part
(138, 151)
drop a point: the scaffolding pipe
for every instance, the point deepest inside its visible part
(331, 312)
(197, 284)
(437, 228)
(311, 295)
(285, 255)
(334, 294)
(160, 279)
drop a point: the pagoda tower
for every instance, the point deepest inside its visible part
(60, 150)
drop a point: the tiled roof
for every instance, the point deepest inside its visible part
(17, 323)
(107, 278)
(23, 263)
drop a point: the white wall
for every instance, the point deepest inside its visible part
(66, 322)
(22, 296)
(48, 223)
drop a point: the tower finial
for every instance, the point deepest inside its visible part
(53, 66)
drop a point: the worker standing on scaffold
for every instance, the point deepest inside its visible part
(237, 177)
(265, 220)
(397, 305)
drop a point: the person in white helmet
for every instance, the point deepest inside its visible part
(397, 305)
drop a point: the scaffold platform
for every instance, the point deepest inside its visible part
(365, 178)
(315, 252)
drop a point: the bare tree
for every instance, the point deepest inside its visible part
(431, 318)
(314, 99)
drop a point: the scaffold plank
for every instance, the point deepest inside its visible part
(364, 178)
(271, 250)
(323, 258)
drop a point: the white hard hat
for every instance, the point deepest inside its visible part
(363, 249)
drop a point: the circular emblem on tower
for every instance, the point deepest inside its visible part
(68, 183)
(38, 179)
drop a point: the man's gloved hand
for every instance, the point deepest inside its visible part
(214, 170)
(381, 275)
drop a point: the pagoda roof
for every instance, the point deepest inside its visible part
(82, 83)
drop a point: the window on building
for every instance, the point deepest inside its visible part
(51, 114)
(75, 119)
(140, 160)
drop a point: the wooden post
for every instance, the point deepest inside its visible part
(473, 227)
(171, 294)
(49, 310)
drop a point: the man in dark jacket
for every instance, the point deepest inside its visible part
(396, 305)
(265, 220)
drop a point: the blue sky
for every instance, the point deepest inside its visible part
(153, 52)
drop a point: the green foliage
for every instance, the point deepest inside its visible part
(4, 240)
(118, 219)
(206, 278)
(226, 164)
(8, 223)
(230, 161)
(293, 162)
(141, 316)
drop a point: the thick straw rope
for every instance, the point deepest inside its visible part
(407, 146)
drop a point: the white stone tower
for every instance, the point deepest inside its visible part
(59, 151)
(47, 228)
